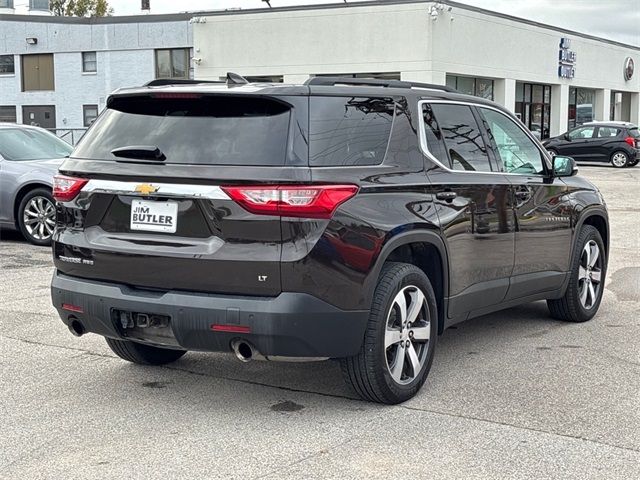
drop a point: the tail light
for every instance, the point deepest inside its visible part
(309, 201)
(632, 141)
(66, 188)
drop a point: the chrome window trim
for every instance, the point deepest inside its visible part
(425, 148)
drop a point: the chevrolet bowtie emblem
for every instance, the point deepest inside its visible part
(146, 188)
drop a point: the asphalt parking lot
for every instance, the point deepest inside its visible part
(511, 395)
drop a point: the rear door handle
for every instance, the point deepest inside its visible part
(448, 196)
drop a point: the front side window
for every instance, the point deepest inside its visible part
(89, 114)
(581, 133)
(172, 63)
(517, 151)
(608, 132)
(349, 130)
(21, 144)
(465, 147)
(89, 62)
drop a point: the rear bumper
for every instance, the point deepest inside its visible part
(289, 325)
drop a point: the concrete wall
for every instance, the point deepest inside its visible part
(296, 44)
(125, 57)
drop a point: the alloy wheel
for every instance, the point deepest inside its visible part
(407, 335)
(39, 217)
(619, 159)
(590, 274)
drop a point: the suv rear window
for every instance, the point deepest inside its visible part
(213, 130)
(633, 132)
(346, 131)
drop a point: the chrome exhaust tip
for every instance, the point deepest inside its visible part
(243, 350)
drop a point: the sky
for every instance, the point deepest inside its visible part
(614, 19)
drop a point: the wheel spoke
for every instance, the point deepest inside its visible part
(583, 293)
(592, 294)
(396, 371)
(30, 221)
(413, 358)
(587, 252)
(401, 302)
(421, 334)
(596, 276)
(30, 213)
(582, 273)
(392, 337)
(417, 301)
(40, 230)
(593, 257)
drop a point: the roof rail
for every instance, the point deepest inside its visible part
(158, 82)
(375, 82)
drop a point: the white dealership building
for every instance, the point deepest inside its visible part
(551, 77)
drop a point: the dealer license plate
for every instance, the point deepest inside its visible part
(154, 216)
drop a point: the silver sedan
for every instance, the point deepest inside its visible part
(29, 158)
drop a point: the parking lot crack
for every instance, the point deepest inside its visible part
(520, 427)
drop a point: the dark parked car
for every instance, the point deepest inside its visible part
(344, 218)
(29, 158)
(615, 142)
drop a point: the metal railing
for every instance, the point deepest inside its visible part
(70, 135)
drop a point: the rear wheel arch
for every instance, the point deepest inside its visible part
(427, 251)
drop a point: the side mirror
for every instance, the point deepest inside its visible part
(564, 166)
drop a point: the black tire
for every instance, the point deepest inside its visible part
(369, 372)
(633, 163)
(569, 308)
(143, 354)
(31, 232)
(619, 154)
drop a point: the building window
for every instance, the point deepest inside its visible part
(6, 3)
(172, 63)
(39, 5)
(263, 79)
(476, 86)
(37, 72)
(7, 65)
(8, 114)
(533, 107)
(378, 75)
(89, 114)
(580, 106)
(89, 62)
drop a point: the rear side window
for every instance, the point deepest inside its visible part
(633, 132)
(462, 138)
(347, 131)
(608, 132)
(193, 129)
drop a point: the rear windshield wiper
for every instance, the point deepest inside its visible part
(139, 152)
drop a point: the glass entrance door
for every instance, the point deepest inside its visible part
(533, 107)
